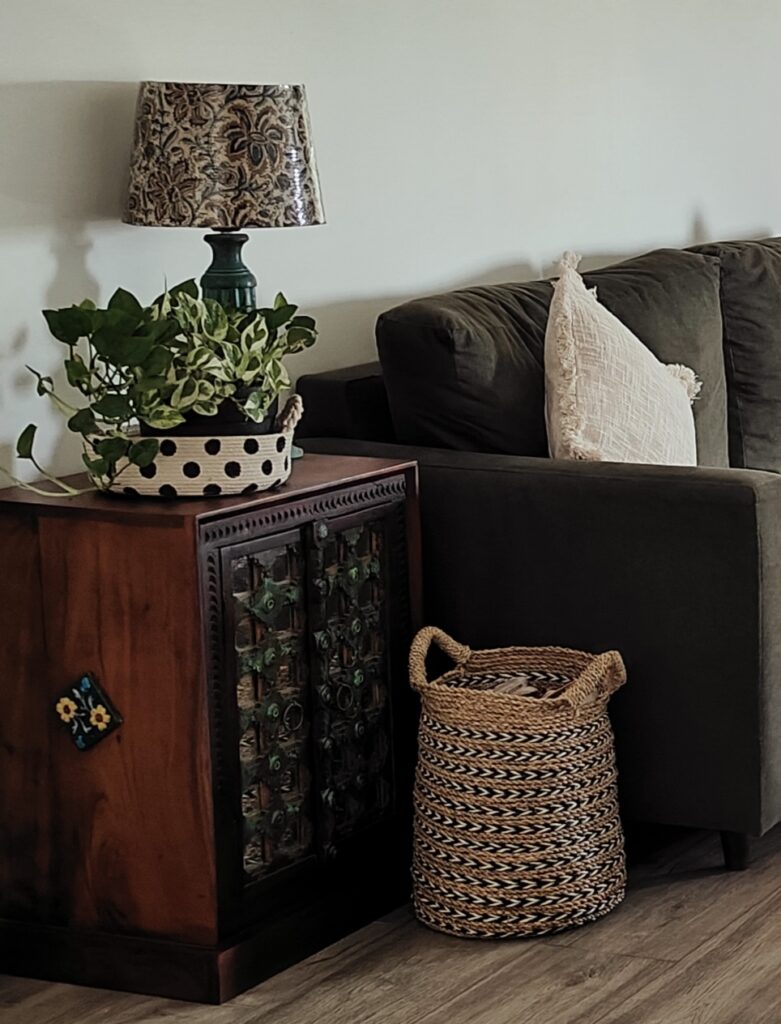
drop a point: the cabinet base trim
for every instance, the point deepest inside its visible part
(178, 970)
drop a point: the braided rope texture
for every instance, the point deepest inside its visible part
(517, 830)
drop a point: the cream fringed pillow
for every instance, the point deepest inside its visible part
(607, 397)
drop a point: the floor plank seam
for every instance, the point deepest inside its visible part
(666, 960)
(612, 1011)
(459, 995)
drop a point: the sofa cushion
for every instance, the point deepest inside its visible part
(607, 397)
(351, 402)
(464, 370)
(751, 311)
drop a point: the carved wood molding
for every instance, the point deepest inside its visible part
(290, 514)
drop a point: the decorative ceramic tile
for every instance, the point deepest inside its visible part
(86, 712)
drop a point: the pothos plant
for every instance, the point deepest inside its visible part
(131, 364)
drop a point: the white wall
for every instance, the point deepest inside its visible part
(459, 141)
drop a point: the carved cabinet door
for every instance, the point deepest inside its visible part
(265, 811)
(351, 593)
(312, 637)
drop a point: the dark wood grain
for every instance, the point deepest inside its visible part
(118, 837)
(108, 858)
(29, 1001)
(27, 727)
(310, 475)
(127, 962)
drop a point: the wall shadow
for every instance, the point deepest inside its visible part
(63, 166)
(65, 151)
(359, 316)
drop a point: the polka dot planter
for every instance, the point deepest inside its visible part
(187, 467)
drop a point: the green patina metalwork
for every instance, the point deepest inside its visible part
(313, 706)
(272, 693)
(351, 722)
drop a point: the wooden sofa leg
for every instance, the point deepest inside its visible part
(736, 847)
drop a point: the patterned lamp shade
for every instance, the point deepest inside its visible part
(222, 156)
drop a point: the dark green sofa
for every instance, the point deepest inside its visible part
(678, 568)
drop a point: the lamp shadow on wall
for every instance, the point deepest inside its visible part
(66, 151)
(63, 168)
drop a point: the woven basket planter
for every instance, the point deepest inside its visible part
(517, 830)
(209, 466)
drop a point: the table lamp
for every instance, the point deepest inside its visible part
(224, 157)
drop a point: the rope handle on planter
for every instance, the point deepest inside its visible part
(288, 419)
(460, 653)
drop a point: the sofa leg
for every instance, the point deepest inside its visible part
(736, 849)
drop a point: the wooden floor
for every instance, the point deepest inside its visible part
(692, 944)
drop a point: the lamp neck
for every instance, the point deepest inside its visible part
(228, 279)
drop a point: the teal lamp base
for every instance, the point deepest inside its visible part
(228, 279)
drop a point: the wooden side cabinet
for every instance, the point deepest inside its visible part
(253, 804)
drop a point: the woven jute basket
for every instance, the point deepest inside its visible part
(516, 814)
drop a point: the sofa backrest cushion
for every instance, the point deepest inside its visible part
(464, 370)
(751, 313)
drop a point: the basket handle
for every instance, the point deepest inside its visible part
(602, 678)
(288, 419)
(460, 653)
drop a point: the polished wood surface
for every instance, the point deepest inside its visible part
(716, 961)
(118, 837)
(108, 858)
(27, 728)
(310, 474)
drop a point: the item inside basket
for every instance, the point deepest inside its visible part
(520, 684)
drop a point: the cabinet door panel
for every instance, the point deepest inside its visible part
(307, 631)
(266, 657)
(268, 832)
(349, 562)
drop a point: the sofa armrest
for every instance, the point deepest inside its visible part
(346, 403)
(678, 568)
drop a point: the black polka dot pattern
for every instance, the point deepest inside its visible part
(212, 466)
(131, 492)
